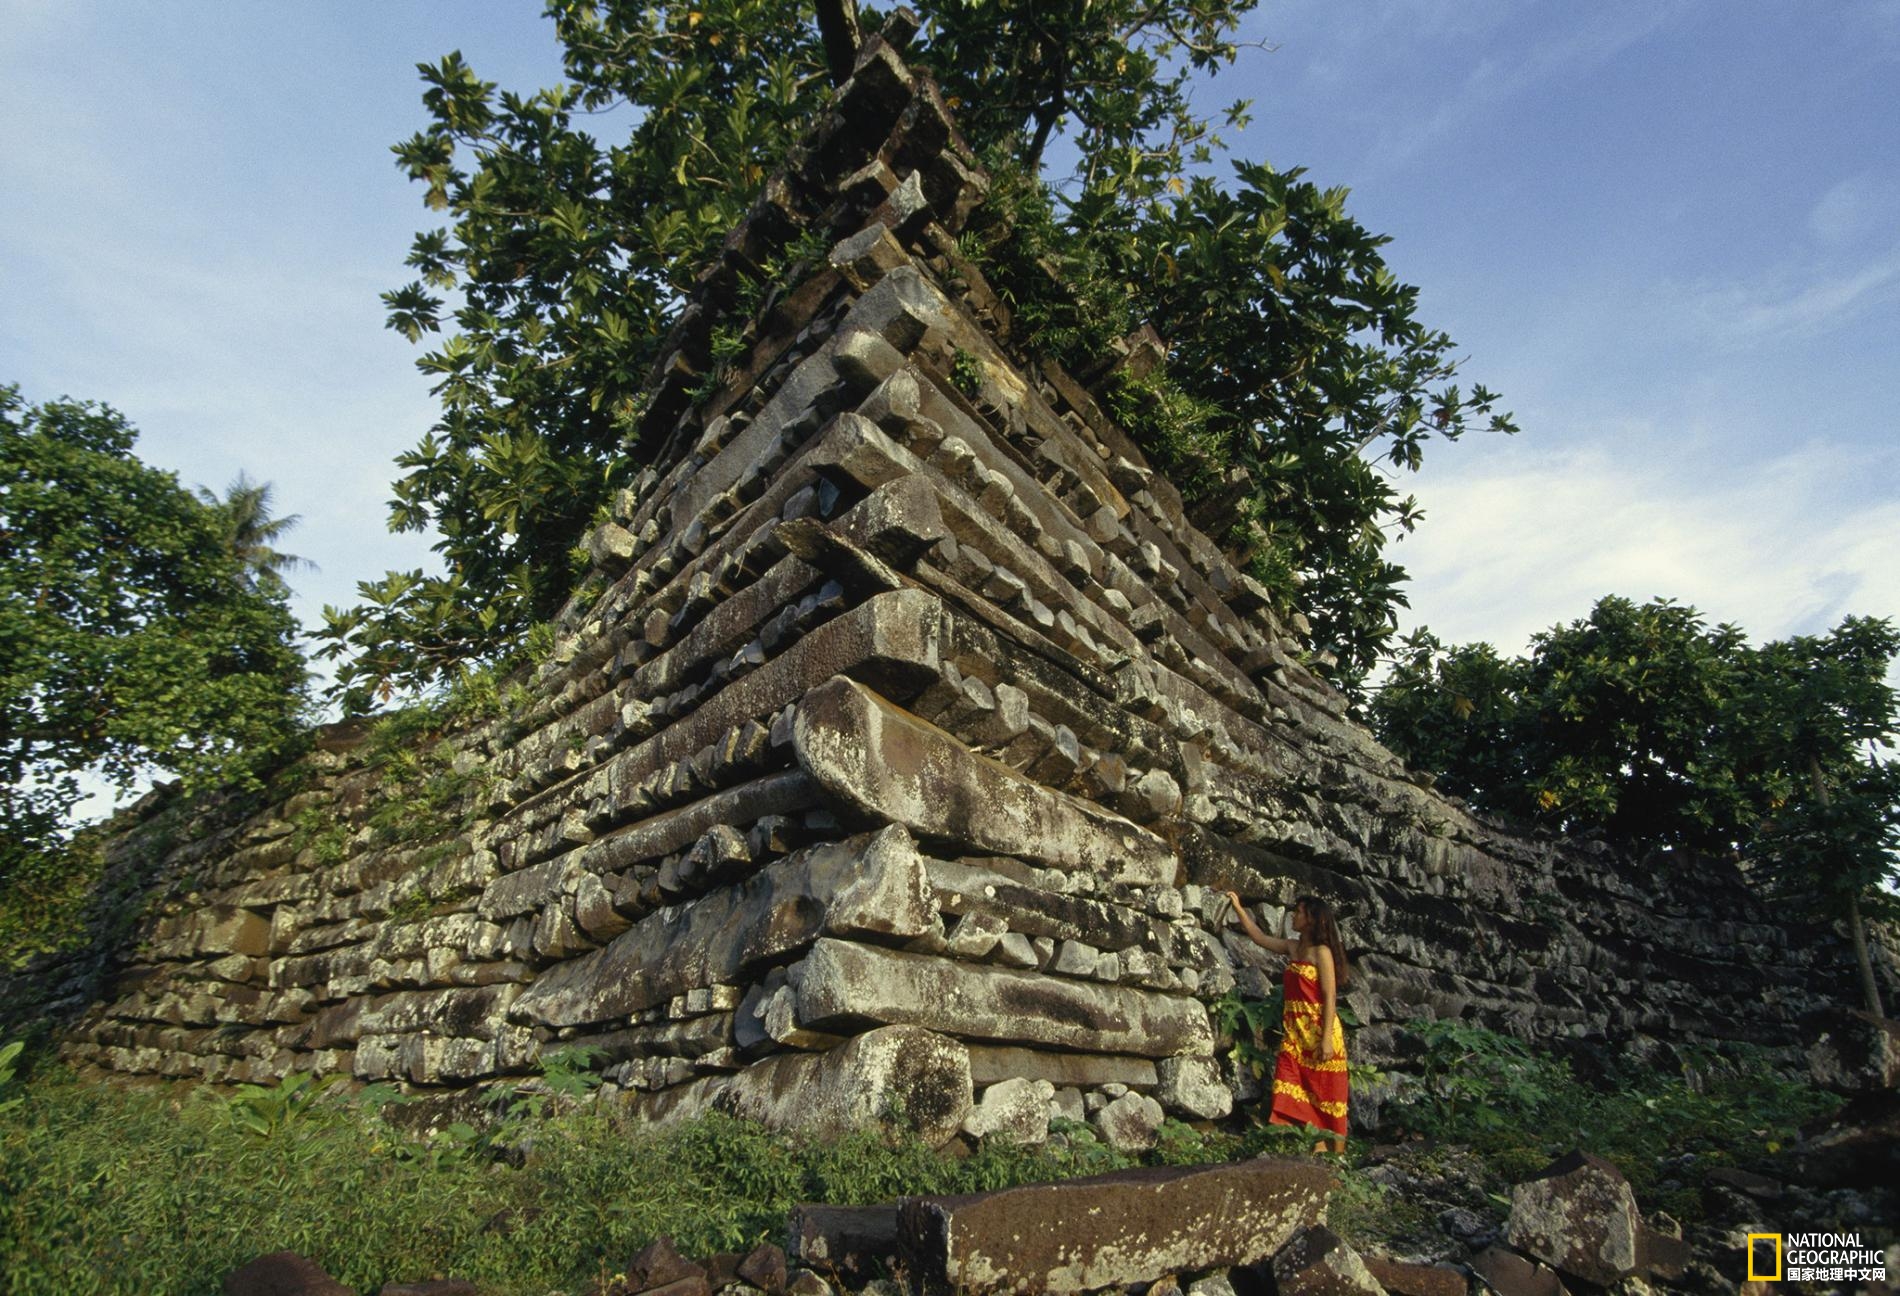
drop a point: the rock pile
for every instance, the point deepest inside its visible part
(1239, 1229)
(891, 764)
(1578, 1219)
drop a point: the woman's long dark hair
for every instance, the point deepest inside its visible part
(1322, 928)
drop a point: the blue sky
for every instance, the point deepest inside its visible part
(1669, 234)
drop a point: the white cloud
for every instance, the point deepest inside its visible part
(1599, 35)
(1534, 537)
(1859, 207)
(1815, 296)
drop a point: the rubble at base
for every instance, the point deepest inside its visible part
(1215, 1230)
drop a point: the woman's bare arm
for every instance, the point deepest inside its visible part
(1277, 944)
(1328, 1001)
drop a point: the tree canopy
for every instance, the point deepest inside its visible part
(132, 633)
(252, 530)
(1297, 356)
(1644, 723)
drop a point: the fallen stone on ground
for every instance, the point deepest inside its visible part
(1131, 1123)
(1578, 1215)
(849, 1242)
(1114, 1230)
(1215, 1284)
(283, 1273)
(1318, 1262)
(659, 1266)
(1404, 1278)
(1513, 1275)
(764, 1268)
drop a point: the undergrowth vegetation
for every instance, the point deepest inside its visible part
(1514, 1108)
(1517, 1108)
(167, 1189)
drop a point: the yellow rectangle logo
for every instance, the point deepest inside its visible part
(1764, 1277)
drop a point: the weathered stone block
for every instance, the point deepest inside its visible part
(896, 1077)
(841, 983)
(1016, 1109)
(1193, 1086)
(1403, 1278)
(1131, 1123)
(764, 1268)
(221, 929)
(990, 1063)
(886, 763)
(659, 1264)
(804, 1282)
(283, 1273)
(870, 884)
(1579, 1216)
(1318, 1262)
(1510, 1274)
(851, 1242)
(477, 1012)
(1113, 1230)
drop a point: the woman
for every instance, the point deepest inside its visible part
(1309, 1079)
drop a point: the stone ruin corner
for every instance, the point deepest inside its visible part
(894, 760)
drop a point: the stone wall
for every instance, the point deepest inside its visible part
(898, 750)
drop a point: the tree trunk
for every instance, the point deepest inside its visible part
(838, 25)
(1869, 988)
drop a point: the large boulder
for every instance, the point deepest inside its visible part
(1131, 1123)
(1579, 1216)
(1115, 1230)
(1193, 1086)
(899, 1078)
(1016, 1110)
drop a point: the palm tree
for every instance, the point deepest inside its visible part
(251, 531)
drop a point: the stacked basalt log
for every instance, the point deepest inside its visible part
(900, 747)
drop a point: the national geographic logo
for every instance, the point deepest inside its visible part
(1814, 1257)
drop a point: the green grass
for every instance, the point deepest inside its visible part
(166, 1190)
(1519, 1108)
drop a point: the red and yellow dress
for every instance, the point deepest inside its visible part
(1307, 1091)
